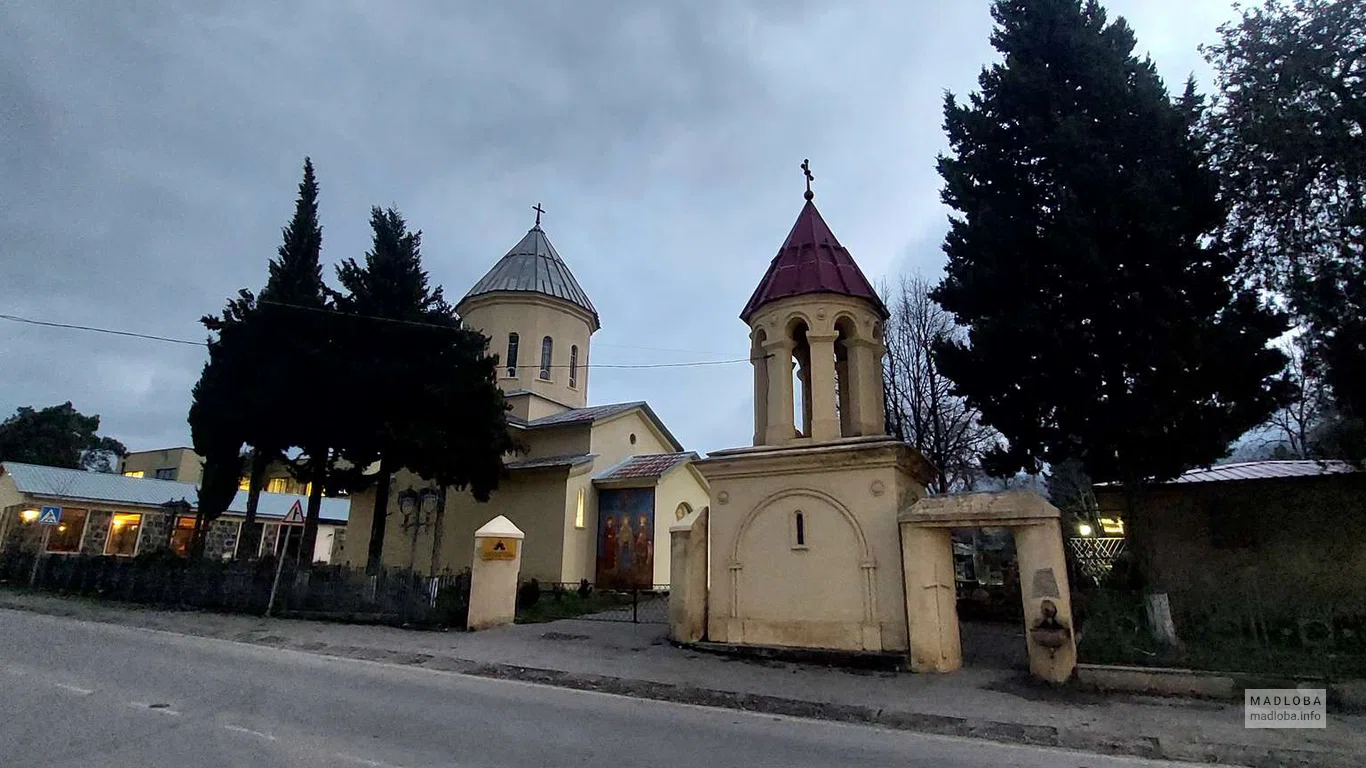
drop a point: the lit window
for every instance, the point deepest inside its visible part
(512, 354)
(278, 485)
(166, 473)
(546, 345)
(578, 511)
(1112, 526)
(574, 366)
(123, 535)
(244, 484)
(134, 473)
(66, 536)
(182, 535)
(29, 516)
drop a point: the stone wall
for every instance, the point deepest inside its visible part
(155, 532)
(221, 539)
(96, 531)
(339, 545)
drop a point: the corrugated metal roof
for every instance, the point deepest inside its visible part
(546, 462)
(1264, 470)
(645, 465)
(583, 415)
(811, 261)
(1258, 470)
(597, 413)
(534, 266)
(108, 488)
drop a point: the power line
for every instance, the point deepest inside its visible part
(111, 331)
(171, 340)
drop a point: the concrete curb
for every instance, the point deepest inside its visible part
(1151, 747)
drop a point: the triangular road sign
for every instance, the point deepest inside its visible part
(296, 513)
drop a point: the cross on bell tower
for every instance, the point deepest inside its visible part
(539, 210)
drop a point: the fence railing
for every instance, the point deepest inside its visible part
(392, 595)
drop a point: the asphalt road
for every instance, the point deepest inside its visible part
(74, 693)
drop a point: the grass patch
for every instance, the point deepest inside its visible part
(553, 606)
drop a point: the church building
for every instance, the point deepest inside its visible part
(599, 486)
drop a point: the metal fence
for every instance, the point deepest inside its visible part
(636, 606)
(1093, 557)
(390, 596)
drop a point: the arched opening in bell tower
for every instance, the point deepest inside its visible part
(758, 357)
(801, 378)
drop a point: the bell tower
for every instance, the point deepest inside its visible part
(816, 315)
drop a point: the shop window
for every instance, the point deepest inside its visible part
(66, 535)
(182, 535)
(123, 535)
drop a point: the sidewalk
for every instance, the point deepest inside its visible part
(637, 660)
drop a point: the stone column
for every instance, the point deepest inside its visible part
(1043, 580)
(825, 423)
(493, 576)
(780, 430)
(848, 422)
(865, 373)
(761, 366)
(931, 599)
(688, 575)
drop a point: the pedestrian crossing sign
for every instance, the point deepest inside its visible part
(50, 516)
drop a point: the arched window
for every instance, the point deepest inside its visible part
(798, 530)
(546, 344)
(512, 354)
(574, 366)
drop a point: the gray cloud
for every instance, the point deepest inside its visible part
(151, 151)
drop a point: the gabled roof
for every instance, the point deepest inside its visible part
(645, 466)
(533, 266)
(595, 413)
(811, 261)
(108, 488)
(547, 462)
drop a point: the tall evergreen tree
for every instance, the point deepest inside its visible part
(273, 349)
(432, 403)
(1103, 323)
(1289, 129)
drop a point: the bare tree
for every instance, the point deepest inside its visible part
(922, 408)
(1296, 423)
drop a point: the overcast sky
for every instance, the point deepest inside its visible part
(150, 151)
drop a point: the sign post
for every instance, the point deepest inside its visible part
(49, 517)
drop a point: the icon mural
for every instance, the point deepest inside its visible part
(626, 536)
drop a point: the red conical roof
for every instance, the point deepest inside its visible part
(811, 261)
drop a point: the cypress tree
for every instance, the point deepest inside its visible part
(1103, 321)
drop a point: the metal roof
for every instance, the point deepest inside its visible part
(1259, 470)
(645, 465)
(595, 413)
(811, 261)
(534, 266)
(546, 462)
(108, 488)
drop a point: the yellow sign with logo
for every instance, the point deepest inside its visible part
(498, 548)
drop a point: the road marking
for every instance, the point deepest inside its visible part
(75, 688)
(240, 729)
(162, 708)
(364, 761)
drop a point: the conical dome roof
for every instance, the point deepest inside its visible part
(533, 266)
(811, 261)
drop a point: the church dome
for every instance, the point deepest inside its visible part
(533, 266)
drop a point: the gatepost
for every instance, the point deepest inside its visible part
(493, 577)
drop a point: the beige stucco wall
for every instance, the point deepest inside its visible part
(533, 317)
(681, 485)
(569, 440)
(533, 500)
(844, 588)
(187, 464)
(611, 439)
(580, 544)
